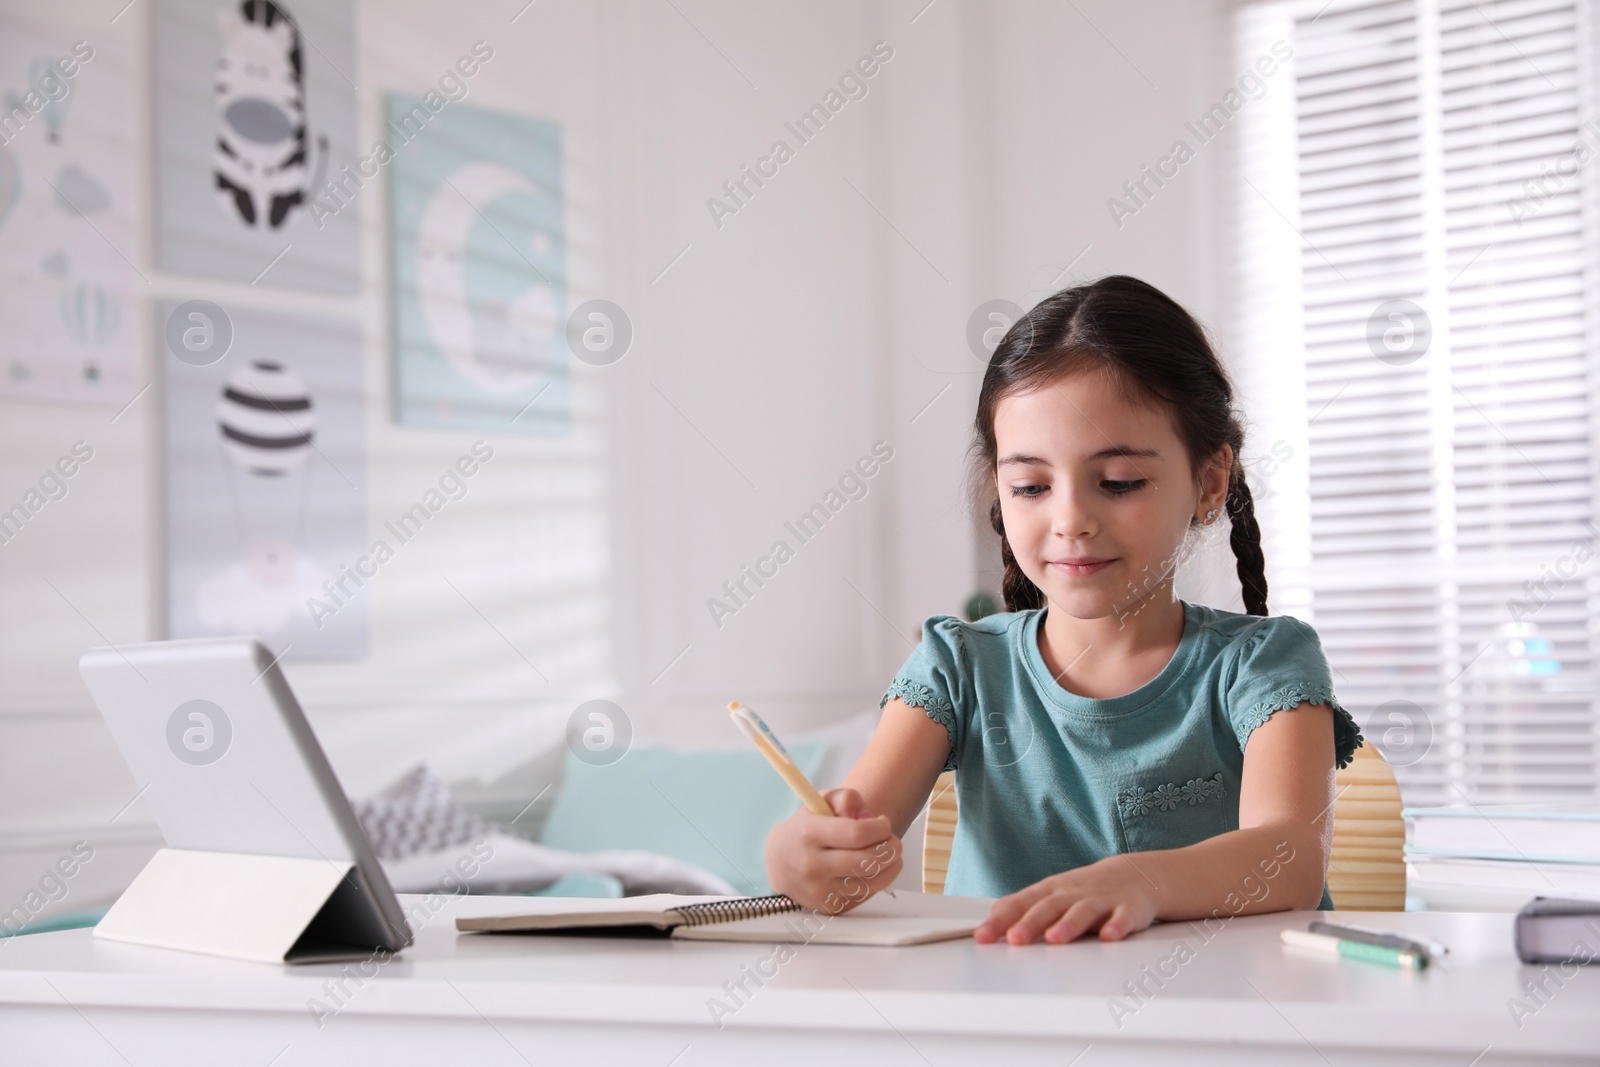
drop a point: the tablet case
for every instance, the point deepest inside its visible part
(1558, 930)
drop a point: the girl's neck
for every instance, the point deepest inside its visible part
(1115, 651)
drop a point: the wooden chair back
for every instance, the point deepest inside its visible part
(1367, 868)
(939, 833)
(1366, 871)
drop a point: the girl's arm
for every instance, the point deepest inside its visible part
(833, 862)
(895, 775)
(1275, 861)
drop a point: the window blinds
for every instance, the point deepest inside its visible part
(1443, 161)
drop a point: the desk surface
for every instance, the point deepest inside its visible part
(1236, 985)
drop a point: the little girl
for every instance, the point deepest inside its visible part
(1118, 753)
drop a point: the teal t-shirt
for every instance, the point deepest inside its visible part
(1047, 780)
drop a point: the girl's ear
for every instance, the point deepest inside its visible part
(1216, 478)
(1213, 486)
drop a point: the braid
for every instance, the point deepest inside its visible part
(1019, 593)
(1246, 541)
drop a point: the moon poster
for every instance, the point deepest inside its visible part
(265, 479)
(479, 271)
(68, 217)
(255, 122)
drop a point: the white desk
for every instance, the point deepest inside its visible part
(488, 1000)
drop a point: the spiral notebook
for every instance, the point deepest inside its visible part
(889, 918)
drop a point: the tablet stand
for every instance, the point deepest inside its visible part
(271, 909)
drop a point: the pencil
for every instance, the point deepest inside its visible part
(767, 741)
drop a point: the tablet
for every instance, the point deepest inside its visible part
(224, 757)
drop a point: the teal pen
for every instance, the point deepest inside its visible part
(1404, 959)
(1378, 937)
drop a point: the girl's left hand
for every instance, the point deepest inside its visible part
(1110, 894)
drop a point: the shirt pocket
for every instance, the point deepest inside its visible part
(1157, 808)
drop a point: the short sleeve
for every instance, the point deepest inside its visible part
(1279, 665)
(935, 678)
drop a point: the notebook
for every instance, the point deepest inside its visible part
(888, 918)
(1531, 874)
(1560, 831)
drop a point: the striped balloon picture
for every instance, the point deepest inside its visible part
(266, 419)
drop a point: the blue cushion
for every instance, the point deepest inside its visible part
(72, 920)
(581, 884)
(710, 807)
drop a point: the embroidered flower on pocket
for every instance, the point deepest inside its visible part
(1197, 789)
(1166, 796)
(1134, 801)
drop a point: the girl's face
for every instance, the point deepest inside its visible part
(1086, 478)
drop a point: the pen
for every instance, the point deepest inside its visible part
(1404, 959)
(1377, 937)
(767, 741)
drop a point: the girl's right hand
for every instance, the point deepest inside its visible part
(831, 863)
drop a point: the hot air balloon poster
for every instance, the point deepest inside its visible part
(266, 486)
(479, 269)
(68, 227)
(255, 113)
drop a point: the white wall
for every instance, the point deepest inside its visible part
(824, 316)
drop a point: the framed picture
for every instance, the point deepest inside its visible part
(479, 268)
(265, 479)
(68, 218)
(255, 117)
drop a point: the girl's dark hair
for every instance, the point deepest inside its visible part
(1158, 354)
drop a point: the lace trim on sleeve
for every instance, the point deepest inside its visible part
(935, 706)
(1346, 734)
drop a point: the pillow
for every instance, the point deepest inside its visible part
(709, 807)
(581, 884)
(501, 863)
(415, 815)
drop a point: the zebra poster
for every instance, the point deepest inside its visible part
(266, 482)
(255, 115)
(478, 236)
(69, 222)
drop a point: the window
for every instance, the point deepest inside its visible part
(1417, 212)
